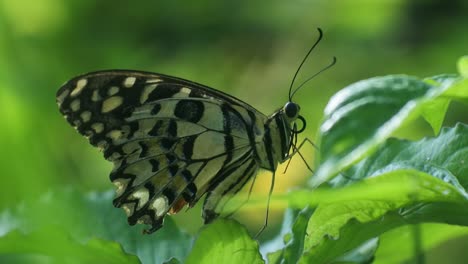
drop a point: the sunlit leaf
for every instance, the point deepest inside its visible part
(403, 241)
(224, 241)
(363, 115)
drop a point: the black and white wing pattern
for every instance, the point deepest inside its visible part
(171, 140)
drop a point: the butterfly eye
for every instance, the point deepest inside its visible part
(291, 109)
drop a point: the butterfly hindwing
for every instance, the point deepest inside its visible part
(171, 140)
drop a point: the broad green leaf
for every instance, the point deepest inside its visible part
(402, 240)
(408, 182)
(224, 241)
(92, 216)
(356, 213)
(58, 246)
(361, 116)
(448, 151)
(338, 228)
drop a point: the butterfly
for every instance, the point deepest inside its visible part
(173, 141)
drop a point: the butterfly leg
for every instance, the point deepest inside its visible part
(296, 150)
(270, 192)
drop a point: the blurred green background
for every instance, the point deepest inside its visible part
(249, 49)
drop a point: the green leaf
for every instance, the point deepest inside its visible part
(402, 240)
(407, 182)
(87, 217)
(434, 113)
(360, 117)
(462, 66)
(224, 241)
(338, 228)
(442, 155)
(56, 244)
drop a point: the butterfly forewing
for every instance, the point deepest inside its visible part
(171, 140)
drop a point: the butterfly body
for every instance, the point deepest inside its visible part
(172, 141)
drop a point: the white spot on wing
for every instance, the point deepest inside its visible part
(75, 105)
(142, 195)
(185, 90)
(114, 134)
(98, 127)
(128, 208)
(121, 185)
(113, 90)
(102, 144)
(86, 116)
(77, 123)
(160, 205)
(155, 80)
(96, 97)
(129, 82)
(62, 96)
(111, 103)
(80, 84)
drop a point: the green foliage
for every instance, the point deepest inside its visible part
(233, 245)
(86, 228)
(363, 115)
(372, 195)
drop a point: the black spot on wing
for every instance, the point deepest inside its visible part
(167, 143)
(187, 175)
(189, 110)
(127, 110)
(188, 147)
(154, 165)
(172, 128)
(144, 149)
(173, 169)
(190, 192)
(170, 158)
(162, 91)
(156, 109)
(155, 130)
(134, 127)
(169, 194)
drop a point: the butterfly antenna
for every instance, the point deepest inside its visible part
(305, 58)
(313, 76)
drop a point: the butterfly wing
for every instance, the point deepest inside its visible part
(171, 140)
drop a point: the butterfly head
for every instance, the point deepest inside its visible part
(291, 110)
(289, 123)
